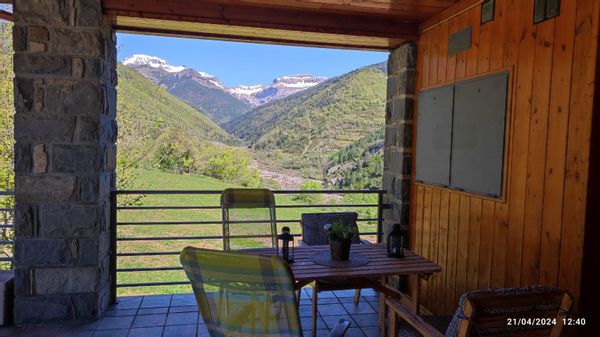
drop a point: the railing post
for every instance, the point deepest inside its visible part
(379, 216)
(113, 247)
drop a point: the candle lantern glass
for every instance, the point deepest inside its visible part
(396, 241)
(286, 245)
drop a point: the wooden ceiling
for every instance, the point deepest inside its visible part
(356, 24)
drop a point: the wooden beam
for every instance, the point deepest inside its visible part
(4, 15)
(254, 35)
(258, 17)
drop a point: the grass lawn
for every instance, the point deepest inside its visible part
(156, 180)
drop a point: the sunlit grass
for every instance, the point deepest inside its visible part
(156, 180)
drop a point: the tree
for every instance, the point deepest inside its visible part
(7, 141)
(310, 185)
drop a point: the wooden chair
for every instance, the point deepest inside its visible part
(248, 212)
(242, 294)
(489, 313)
(313, 233)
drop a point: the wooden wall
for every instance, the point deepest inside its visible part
(534, 234)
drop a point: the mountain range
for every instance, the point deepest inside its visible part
(300, 123)
(206, 92)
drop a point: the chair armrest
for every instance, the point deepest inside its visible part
(340, 328)
(413, 319)
(365, 242)
(301, 243)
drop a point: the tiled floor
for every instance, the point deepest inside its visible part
(177, 316)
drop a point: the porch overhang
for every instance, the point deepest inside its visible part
(373, 25)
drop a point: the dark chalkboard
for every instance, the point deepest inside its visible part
(434, 131)
(478, 135)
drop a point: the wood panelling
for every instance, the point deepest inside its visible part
(533, 234)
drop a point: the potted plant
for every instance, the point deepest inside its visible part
(340, 240)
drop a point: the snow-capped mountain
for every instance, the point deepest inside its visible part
(206, 92)
(203, 91)
(140, 60)
(281, 87)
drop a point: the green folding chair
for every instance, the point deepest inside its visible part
(249, 219)
(245, 294)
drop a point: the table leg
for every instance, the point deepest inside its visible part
(415, 290)
(382, 309)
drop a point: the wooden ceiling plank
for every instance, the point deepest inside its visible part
(236, 33)
(263, 17)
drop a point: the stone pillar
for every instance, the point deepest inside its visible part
(65, 131)
(397, 163)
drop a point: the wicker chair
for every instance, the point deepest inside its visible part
(314, 234)
(248, 212)
(485, 313)
(245, 294)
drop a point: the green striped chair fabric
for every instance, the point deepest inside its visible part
(242, 294)
(249, 219)
(245, 295)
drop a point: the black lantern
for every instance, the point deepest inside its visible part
(396, 241)
(287, 244)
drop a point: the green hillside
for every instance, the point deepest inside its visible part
(359, 165)
(304, 129)
(215, 103)
(140, 98)
(157, 130)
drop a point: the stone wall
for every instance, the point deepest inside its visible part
(65, 130)
(397, 163)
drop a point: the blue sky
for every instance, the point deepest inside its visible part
(246, 63)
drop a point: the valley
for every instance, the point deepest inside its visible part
(278, 135)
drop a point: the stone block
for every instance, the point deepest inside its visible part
(38, 34)
(400, 135)
(50, 281)
(78, 67)
(110, 108)
(400, 163)
(402, 58)
(23, 282)
(92, 68)
(37, 39)
(73, 97)
(34, 253)
(95, 188)
(88, 129)
(40, 309)
(60, 221)
(44, 188)
(41, 12)
(22, 158)
(88, 13)
(88, 251)
(401, 189)
(71, 41)
(44, 128)
(19, 38)
(42, 64)
(109, 130)
(80, 159)
(110, 158)
(24, 94)
(40, 159)
(56, 308)
(392, 86)
(406, 82)
(26, 220)
(402, 109)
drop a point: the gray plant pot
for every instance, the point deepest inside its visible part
(340, 249)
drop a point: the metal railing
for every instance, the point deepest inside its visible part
(7, 227)
(121, 222)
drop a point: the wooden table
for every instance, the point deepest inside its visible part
(380, 266)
